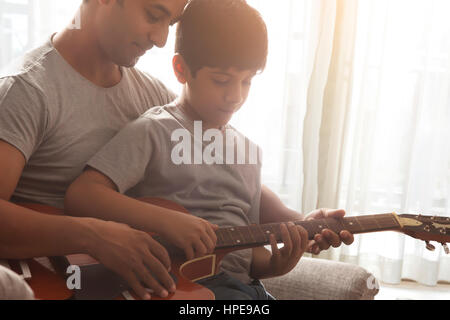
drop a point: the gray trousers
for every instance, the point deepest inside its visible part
(13, 287)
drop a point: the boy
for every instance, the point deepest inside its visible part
(221, 45)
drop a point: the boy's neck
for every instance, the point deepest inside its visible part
(190, 112)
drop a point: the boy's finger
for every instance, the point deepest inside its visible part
(189, 252)
(212, 235)
(200, 248)
(295, 237)
(286, 238)
(208, 242)
(304, 238)
(275, 251)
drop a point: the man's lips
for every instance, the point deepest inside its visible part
(142, 49)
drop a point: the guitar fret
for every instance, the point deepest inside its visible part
(240, 236)
(251, 234)
(263, 234)
(260, 234)
(231, 236)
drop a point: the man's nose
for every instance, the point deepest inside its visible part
(159, 35)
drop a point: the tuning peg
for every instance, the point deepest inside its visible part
(430, 246)
(447, 251)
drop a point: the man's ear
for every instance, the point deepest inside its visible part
(180, 68)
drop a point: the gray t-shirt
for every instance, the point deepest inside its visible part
(139, 161)
(59, 120)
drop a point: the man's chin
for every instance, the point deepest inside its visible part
(130, 63)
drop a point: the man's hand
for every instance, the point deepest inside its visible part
(195, 236)
(134, 255)
(295, 240)
(328, 238)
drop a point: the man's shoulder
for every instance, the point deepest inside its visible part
(31, 68)
(151, 84)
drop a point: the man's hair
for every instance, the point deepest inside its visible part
(222, 34)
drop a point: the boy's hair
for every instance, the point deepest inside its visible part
(222, 34)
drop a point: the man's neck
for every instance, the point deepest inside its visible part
(81, 50)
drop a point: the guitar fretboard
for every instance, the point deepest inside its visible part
(258, 235)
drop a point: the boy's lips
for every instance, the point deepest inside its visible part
(230, 111)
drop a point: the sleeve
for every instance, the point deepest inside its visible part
(126, 157)
(23, 115)
(166, 95)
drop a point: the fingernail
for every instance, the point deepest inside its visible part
(147, 296)
(173, 288)
(164, 294)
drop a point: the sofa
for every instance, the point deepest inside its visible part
(312, 279)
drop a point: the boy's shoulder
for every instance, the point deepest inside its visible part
(158, 118)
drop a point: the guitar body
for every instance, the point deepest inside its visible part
(49, 285)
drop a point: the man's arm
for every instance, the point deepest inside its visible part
(26, 234)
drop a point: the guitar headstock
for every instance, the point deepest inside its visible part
(427, 228)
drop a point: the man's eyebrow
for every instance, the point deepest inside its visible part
(163, 9)
(166, 12)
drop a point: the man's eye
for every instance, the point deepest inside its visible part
(151, 18)
(220, 82)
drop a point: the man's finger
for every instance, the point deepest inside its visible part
(144, 275)
(135, 285)
(159, 252)
(160, 272)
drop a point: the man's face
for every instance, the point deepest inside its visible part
(126, 29)
(216, 94)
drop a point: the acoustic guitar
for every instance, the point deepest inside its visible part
(52, 285)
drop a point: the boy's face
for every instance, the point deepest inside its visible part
(215, 94)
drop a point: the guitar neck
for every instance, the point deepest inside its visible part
(259, 235)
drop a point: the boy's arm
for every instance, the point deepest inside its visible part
(94, 194)
(273, 210)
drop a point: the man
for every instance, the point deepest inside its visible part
(58, 106)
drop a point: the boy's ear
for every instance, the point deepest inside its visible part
(180, 68)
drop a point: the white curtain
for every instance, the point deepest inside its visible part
(352, 111)
(376, 139)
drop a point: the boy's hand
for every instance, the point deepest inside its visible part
(195, 236)
(328, 238)
(134, 255)
(295, 240)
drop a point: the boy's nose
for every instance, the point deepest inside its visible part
(234, 95)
